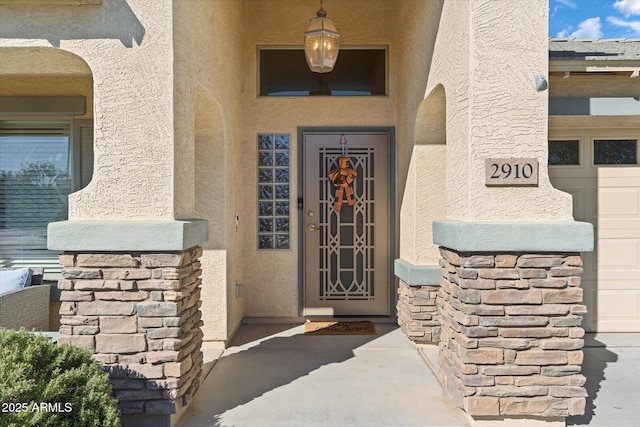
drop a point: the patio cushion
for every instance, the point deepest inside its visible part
(11, 280)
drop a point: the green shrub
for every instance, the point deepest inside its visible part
(42, 384)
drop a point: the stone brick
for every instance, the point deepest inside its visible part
(177, 369)
(512, 284)
(511, 297)
(86, 342)
(118, 324)
(560, 371)
(477, 284)
(120, 343)
(514, 321)
(450, 256)
(510, 370)
(97, 285)
(65, 284)
(532, 273)
(565, 271)
(566, 321)
(466, 273)
(158, 309)
(159, 285)
(574, 261)
(165, 407)
(480, 331)
(578, 309)
(540, 310)
(482, 356)
(536, 406)
(106, 308)
(127, 274)
(504, 380)
(106, 260)
(499, 273)
(482, 406)
(575, 357)
(506, 261)
(576, 333)
(574, 281)
(105, 359)
(150, 322)
(76, 296)
(156, 296)
(486, 261)
(469, 296)
(567, 391)
(163, 333)
(482, 310)
(548, 283)
(162, 356)
(540, 380)
(79, 273)
(565, 296)
(508, 343)
(513, 391)
(561, 344)
(144, 370)
(163, 260)
(122, 296)
(143, 394)
(540, 261)
(577, 406)
(541, 357)
(67, 260)
(79, 320)
(68, 308)
(85, 330)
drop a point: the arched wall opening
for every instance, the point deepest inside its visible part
(46, 152)
(425, 192)
(210, 204)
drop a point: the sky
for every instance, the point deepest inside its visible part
(600, 19)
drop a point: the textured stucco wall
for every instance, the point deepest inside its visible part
(271, 277)
(127, 45)
(208, 123)
(487, 55)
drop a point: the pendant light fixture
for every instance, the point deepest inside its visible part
(321, 43)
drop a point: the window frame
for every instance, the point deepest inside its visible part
(385, 48)
(592, 149)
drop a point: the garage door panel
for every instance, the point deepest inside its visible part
(619, 228)
(608, 197)
(618, 311)
(616, 202)
(618, 253)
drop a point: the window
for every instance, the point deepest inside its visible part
(358, 72)
(273, 191)
(39, 166)
(563, 153)
(615, 151)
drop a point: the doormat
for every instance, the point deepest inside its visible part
(339, 328)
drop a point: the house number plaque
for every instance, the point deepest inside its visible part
(511, 172)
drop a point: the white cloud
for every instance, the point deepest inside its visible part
(628, 7)
(589, 28)
(562, 34)
(568, 3)
(632, 25)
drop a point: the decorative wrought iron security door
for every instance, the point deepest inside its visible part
(346, 252)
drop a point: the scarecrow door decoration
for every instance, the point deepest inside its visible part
(342, 178)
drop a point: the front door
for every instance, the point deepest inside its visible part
(346, 249)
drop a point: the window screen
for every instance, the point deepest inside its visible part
(358, 72)
(36, 170)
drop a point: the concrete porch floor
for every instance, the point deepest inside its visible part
(274, 375)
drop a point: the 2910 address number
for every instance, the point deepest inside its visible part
(511, 172)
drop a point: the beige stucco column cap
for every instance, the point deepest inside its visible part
(516, 236)
(126, 235)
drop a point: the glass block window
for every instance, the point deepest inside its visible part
(563, 153)
(273, 191)
(615, 151)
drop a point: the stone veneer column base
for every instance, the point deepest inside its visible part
(139, 313)
(511, 344)
(417, 312)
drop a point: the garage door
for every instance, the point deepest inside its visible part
(599, 168)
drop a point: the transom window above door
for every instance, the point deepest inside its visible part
(358, 72)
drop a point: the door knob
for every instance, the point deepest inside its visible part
(312, 227)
